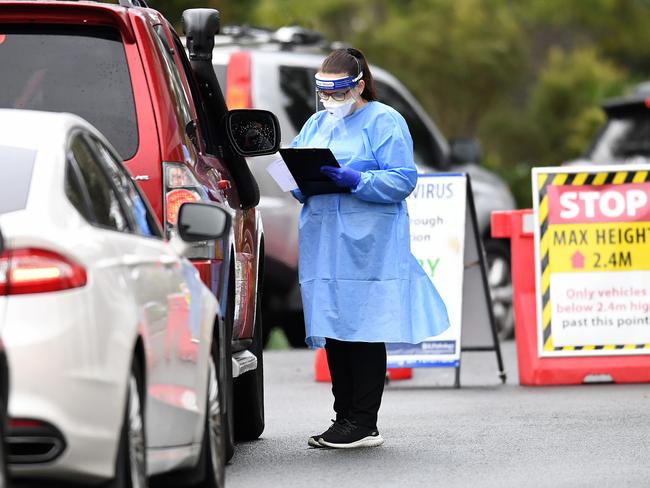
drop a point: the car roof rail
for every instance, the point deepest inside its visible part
(133, 3)
(287, 38)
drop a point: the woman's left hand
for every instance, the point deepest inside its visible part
(344, 177)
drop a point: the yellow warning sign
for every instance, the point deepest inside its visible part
(593, 260)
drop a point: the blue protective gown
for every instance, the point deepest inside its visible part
(358, 278)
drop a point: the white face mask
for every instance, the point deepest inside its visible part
(338, 110)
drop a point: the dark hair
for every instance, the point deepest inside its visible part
(351, 61)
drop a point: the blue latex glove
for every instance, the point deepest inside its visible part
(141, 216)
(297, 194)
(344, 177)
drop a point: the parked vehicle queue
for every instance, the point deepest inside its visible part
(122, 68)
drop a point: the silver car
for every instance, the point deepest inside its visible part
(275, 71)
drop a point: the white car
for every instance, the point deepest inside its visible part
(111, 336)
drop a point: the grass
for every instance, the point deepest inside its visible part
(277, 340)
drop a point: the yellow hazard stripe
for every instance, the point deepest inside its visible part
(580, 178)
(543, 209)
(600, 179)
(541, 179)
(640, 177)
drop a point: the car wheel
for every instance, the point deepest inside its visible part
(209, 472)
(249, 389)
(131, 464)
(215, 433)
(500, 281)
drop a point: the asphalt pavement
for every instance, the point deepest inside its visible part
(484, 434)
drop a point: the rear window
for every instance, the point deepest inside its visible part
(299, 88)
(81, 70)
(19, 163)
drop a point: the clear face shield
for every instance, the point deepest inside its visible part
(338, 96)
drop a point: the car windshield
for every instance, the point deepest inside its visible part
(622, 139)
(81, 70)
(19, 163)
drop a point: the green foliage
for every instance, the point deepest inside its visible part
(563, 103)
(232, 11)
(469, 56)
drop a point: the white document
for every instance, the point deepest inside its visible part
(281, 174)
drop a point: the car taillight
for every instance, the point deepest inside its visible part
(182, 186)
(175, 199)
(4, 265)
(238, 81)
(25, 271)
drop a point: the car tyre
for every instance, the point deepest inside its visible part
(214, 441)
(499, 276)
(131, 463)
(249, 388)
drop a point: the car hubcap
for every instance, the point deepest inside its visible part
(500, 283)
(217, 448)
(136, 437)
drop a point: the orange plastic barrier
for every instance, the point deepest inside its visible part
(534, 370)
(322, 371)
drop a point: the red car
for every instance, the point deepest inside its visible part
(124, 69)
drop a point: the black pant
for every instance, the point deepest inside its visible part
(358, 372)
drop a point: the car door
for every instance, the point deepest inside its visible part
(163, 291)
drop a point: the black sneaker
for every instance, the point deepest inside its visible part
(348, 434)
(314, 441)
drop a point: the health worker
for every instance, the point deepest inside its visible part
(361, 287)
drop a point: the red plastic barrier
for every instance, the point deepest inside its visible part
(518, 225)
(322, 371)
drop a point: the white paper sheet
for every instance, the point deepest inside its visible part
(281, 174)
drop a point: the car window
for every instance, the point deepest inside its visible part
(74, 69)
(425, 150)
(105, 203)
(622, 138)
(297, 86)
(180, 97)
(134, 202)
(76, 192)
(14, 190)
(202, 119)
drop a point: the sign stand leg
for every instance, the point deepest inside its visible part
(457, 379)
(486, 287)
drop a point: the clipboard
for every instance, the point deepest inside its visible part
(304, 163)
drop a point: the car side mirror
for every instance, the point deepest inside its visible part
(202, 222)
(253, 132)
(465, 151)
